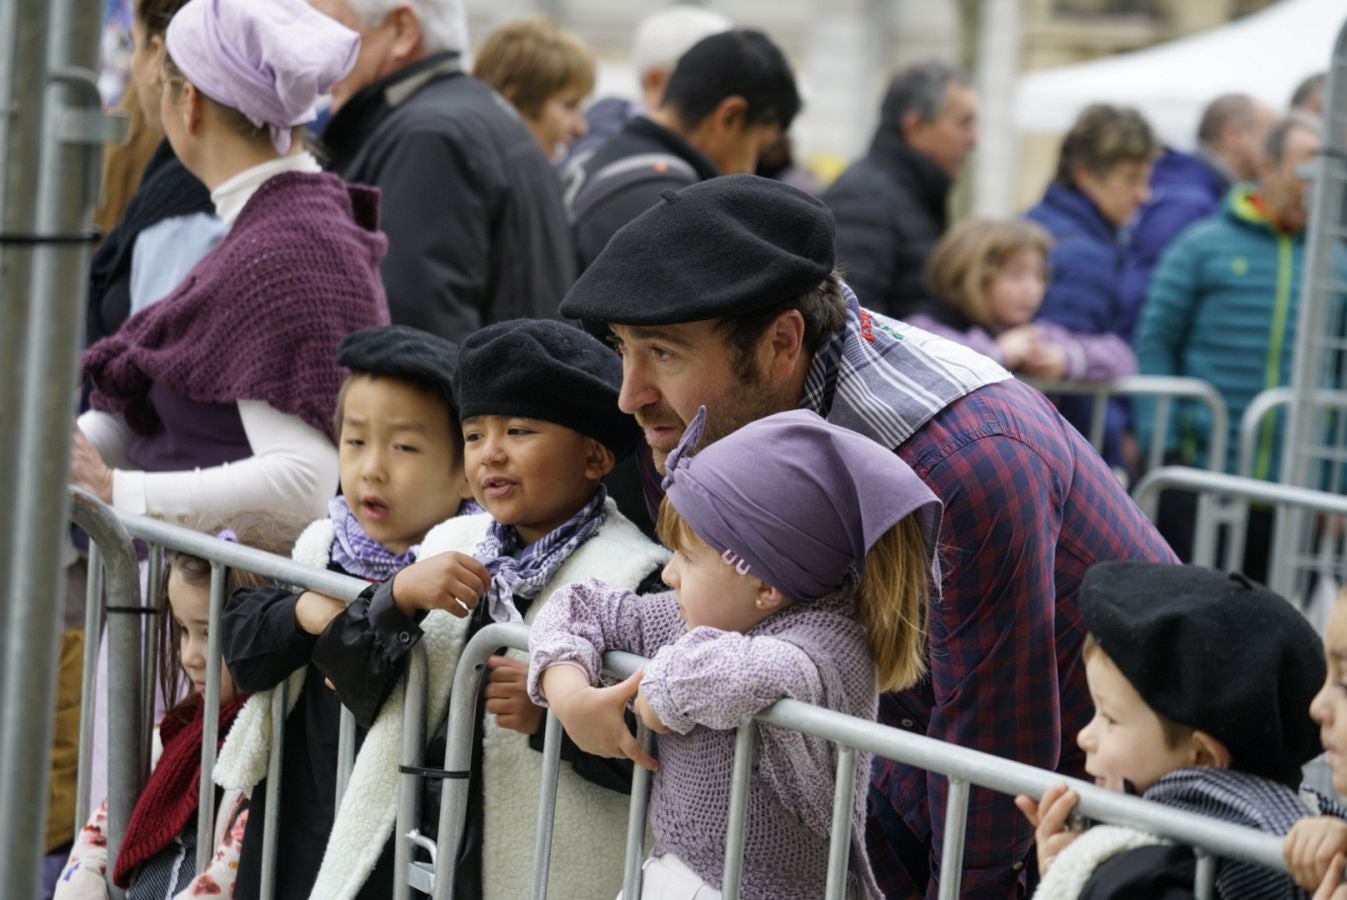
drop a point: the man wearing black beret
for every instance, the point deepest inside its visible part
(1202, 684)
(725, 295)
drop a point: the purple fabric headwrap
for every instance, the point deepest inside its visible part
(268, 59)
(794, 500)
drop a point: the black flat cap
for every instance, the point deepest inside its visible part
(1216, 652)
(543, 369)
(721, 248)
(409, 354)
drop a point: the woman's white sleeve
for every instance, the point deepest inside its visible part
(293, 469)
(109, 434)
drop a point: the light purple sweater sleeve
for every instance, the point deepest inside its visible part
(1090, 357)
(719, 679)
(583, 621)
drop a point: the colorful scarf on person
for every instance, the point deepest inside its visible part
(169, 801)
(357, 553)
(524, 574)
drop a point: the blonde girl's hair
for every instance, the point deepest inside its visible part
(531, 60)
(970, 254)
(892, 596)
(273, 534)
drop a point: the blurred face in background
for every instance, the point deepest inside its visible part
(147, 57)
(386, 47)
(949, 138)
(1015, 292)
(1119, 191)
(559, 122)
(1285, 182)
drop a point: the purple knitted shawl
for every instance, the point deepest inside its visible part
(260, 317)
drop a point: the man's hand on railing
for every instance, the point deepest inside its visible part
(595, 717)
(1311, 848)
(507, 696)
(1049, 817)
(453, 582)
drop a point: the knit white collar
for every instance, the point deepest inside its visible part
(230, 197)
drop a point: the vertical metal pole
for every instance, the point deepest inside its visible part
(1204, 882)
(36, 457)
(205, 817)
(839, 846)
(640, 799)
(951, 851)
(1098, 421)
(547, 806)
(740, 780)
(413, 754)
(93, 625)
(1155, 454)
(345, 753)
(272, 817)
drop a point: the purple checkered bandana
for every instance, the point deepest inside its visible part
(358, 553)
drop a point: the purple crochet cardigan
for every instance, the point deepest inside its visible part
(260, 317)
(704, 683)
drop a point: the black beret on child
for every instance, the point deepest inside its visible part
(1215, 652)
(548, 370)
(408, 354)
(724, 247)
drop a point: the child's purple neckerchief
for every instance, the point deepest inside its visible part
(527, 575)
(357, 553)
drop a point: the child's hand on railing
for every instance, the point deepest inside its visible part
(1049, 818)
(1332, 888)
(453, 582)
(595, 718)
(648, 715)
(507, 696)
(1311, 847)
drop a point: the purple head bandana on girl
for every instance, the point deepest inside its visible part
(794, 500)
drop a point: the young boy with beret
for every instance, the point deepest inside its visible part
(541, 426)
(400, 460)
(1201, 683)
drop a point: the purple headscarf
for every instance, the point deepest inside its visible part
(268, 59)
(794, 500)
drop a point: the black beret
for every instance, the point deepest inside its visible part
(1215, 652)
(724, 247)
(409, 354)
(543, 369)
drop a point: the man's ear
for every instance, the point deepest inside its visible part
(406, 46)
(729, 115)
(910, 125)
(599, 460)
(783, 345)
(1210, 751)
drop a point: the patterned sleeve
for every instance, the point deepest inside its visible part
(1091, 357)
(719, 679)
(85, 873)
(583, 621)
(218, 878)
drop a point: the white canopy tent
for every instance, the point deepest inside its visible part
(1265, 54)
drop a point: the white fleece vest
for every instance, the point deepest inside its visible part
(589, 837)
(1072, 868)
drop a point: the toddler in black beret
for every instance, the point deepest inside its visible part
(1316, 848)
(1201, 683)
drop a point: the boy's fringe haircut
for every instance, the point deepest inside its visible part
(892, 595)
(892, 598)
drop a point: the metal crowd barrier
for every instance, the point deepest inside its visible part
(131, 664)
(115, 558)
(963, 767)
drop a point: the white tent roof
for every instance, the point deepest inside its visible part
(1265, 54)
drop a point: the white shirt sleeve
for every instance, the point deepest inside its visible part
(293, 469)
(109, 434)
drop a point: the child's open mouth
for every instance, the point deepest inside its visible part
(375, 510)
(497, 487)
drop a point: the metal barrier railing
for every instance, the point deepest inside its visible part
(963, 767)
(112, 533)
(113, 559)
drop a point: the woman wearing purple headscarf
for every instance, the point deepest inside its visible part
(219, 398)
(817, 593)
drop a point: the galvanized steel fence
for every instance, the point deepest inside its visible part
(131, 669)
